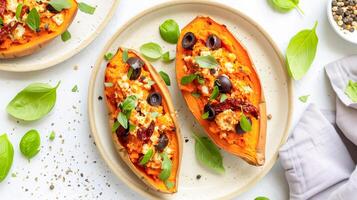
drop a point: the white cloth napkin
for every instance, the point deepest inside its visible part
(317, 164)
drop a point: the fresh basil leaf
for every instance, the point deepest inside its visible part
(108, 56)
(165, 77)
(200, 80)
(205, 115)
(196, 94)
(351, 90)
(33, 102)
(165, 167)
(59, 5)
(75, 88)
(168, 57)
(123, 120)
(215, 93)
(66, 36)
(18, 11)
(6, 156)
(285, 5)
(125, 55)
(223, 98)
(129, 104)
(206, 61)
(188, 79)
(169, 184)
(1, 22)
(208, 154)
(261, 198)
(132, 127)
(147, 157)
(115, 126)
(151, 50)
(304, 98)
(170, 31)
(86, 8)
(245, 123)
(52, 136)
(130, 72)
(301, 52)
(33, 20)
(30, 144)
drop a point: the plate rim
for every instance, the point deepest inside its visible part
(94, 75)
(67, 55)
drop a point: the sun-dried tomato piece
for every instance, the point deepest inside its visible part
(145, 134)
(2, 6)
(236, 104)
(6, 29)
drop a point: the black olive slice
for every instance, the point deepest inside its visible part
(239, 129)
(213, 42)
(50, 8)
(154, 99)
(189, 40)
(122, 133)
(163, 142)
(223, 83)
(135, 67)
(211, 113)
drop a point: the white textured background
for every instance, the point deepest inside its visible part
(71, 162)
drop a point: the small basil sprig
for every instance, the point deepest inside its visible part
(245, 123)
(1, 22)
(188, 79)
(18, 11)
(86, 8)
(33, 102)
(215, 93)
(59, 5)
(153, 52)
(206, 61)
(261, 198)
(33, 20)
(6, 156)
(125, 55)
(108, 56)
(30, 144)
(126, 107)
(165, 77)
(168, 56)
(52, 136)
(205, 115)
(301, 52)
(304, 98)
(285, 5)
(351, 90)
(208, 154)
(223, 98)
(65, 36)
(147, 157)
(170, 31)
(165, 167)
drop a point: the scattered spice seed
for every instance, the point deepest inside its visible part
(344, 12)
(100, 98)
(269, 117)
(52, 187)
(198, 177)
(186, 140)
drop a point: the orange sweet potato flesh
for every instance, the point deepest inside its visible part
(35, 41)
(251, 145)
(114, 71)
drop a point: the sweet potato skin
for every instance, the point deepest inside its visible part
(42, 40)
(254, 154)
(168, 106)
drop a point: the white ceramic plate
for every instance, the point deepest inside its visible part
(239, 175)
(346, 35)
(83, 29)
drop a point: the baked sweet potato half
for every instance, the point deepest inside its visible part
(222, 89)
(143, 121)
(27, 25)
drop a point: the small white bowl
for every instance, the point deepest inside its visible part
(345, 34)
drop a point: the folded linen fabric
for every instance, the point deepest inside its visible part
(314, 158)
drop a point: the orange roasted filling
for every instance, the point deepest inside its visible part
(150, 129)
(223, 89)
(14, 14)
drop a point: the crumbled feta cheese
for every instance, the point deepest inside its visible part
(58, 19)
(145, 148)
(12, 5)
(205, 53)
(154, 138)
(229, 67)
(9, 18)
(19, 32)
(227, 120)
(204, 90)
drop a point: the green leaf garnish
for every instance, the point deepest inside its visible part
(129, 104)
(223, 98)
(205, 115)
(215, 93)
(123, 120)
(351, 90)
(33, 20)
(115, 126)
(75, 88)
(125, 55)
(196, 94)
(165, 167)
(208, 154)
(66, 36)
(86, 8)
(285, 5)
(30, 144)
(130, 72)
(301, 52)
(151, 50)
(59, 5)
(245, 123)
(132, 127)
(188, 79)
(33, 102)
(108, 56)
(18, 11)
(165, 77)
(304, 98)
(147, 157)
(169, 184)
(6, 156)
(52, 136)
(168, 57)
(206, 61)
(170, 31)
(261, 198)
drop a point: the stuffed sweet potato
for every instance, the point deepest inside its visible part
(27, 25)
(222, 89)
(143, 121)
